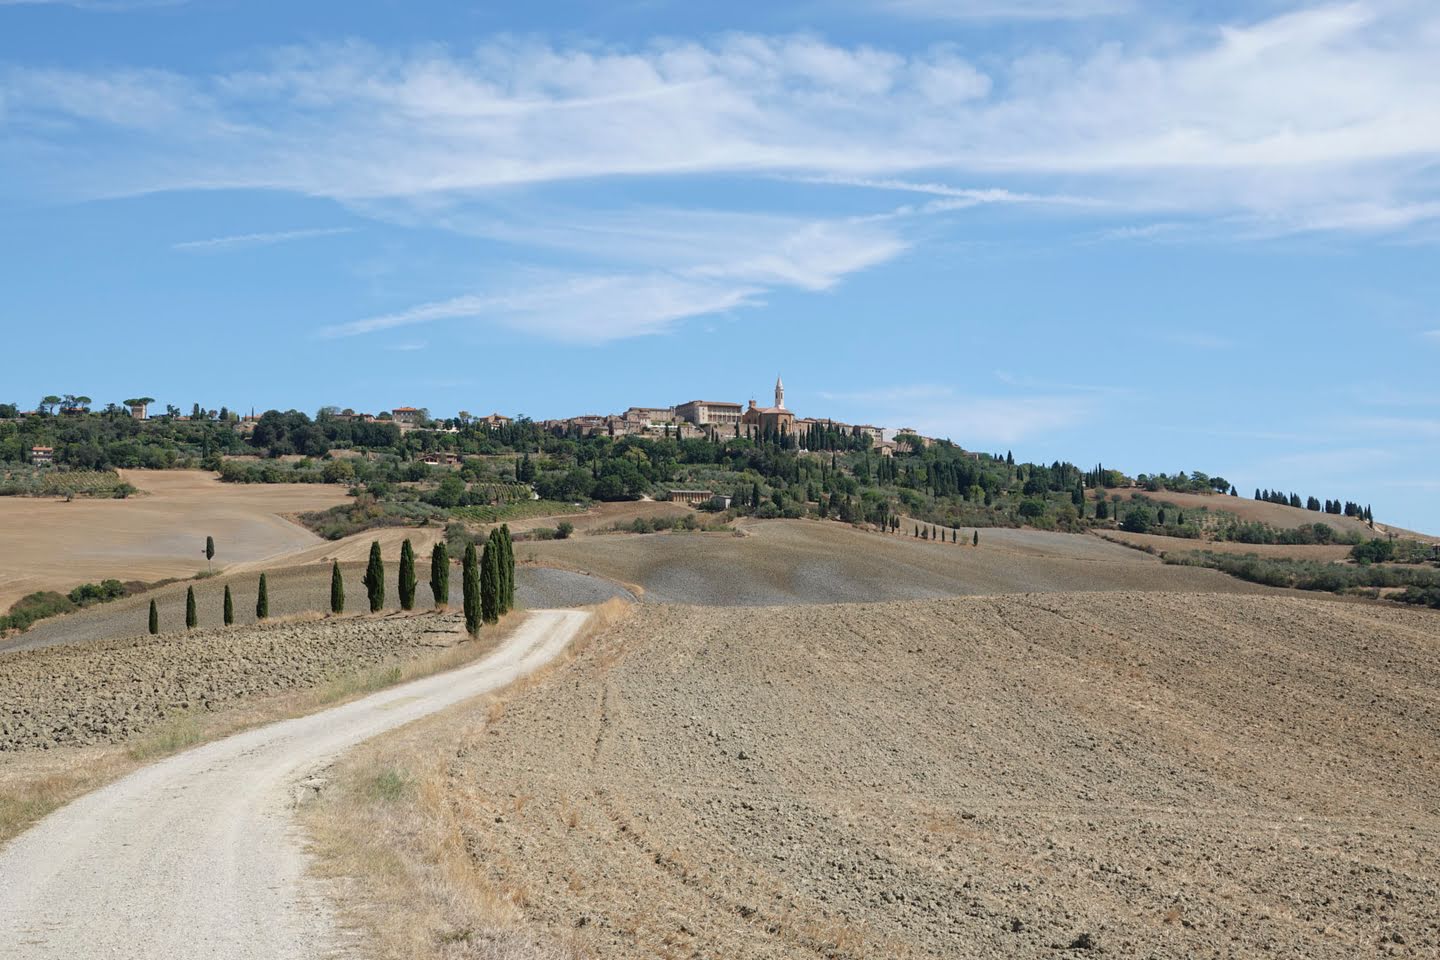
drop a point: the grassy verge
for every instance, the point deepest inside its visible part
(32, 784)
(385, 830)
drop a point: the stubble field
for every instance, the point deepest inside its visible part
(49, 544)
(1151, 775)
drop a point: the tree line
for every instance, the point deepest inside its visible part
(488, 584)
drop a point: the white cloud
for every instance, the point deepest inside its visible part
(258, 239)
(674, 265)
(108, 6)
(1406, 426)
(1323, 119)
(968, 419)
(408, 347)
(1008, 9)
(578, 308)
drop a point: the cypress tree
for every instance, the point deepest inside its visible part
(440, 575)
(209, 550)
(976, 541)
(337, 589)
(154, 619)
(490, 579)
(262, 601)
(407, 576)
(192, 618)
(375, 578)
(471, 573)
(509, 567)
(229, 607)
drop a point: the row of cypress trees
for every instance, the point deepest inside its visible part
(192, 615)
(489, 584)
(489, 579)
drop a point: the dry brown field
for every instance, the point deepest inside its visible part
(1144, 774)
(49, 544)
(811, 561)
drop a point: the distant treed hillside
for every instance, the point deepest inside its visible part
(821, 471)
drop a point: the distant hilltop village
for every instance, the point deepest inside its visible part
(713, 419)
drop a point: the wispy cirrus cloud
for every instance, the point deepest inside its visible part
(663, 267)
(574, 308)
(1321, 119)
(943, 411)
(234, 241)
(105, 6)
(1007, 9)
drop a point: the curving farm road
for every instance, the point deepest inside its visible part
(196, 856)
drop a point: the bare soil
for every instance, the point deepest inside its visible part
(54, 545)
(113, 691)
(1152, 775)
(809, 561)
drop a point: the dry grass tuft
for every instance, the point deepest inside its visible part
(409, 880)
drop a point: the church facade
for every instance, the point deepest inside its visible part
(759, 421)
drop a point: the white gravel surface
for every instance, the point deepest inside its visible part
(196, 856)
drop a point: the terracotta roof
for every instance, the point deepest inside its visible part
(405, 410)
(42, 449)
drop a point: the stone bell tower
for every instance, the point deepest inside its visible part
(779, 392)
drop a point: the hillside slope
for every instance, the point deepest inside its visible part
(1155, 775)
(807, 561)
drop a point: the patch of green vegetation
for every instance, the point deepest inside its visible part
(1308, 574)
(27, 481)
(47, 603)
(521, 510)
(388, 786)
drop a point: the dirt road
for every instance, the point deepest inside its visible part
(196, 856)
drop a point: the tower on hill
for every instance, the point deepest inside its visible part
(779, 392)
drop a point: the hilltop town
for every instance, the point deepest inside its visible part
(710, 419)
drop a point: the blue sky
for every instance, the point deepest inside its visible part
(1168, 237)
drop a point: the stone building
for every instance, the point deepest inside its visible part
(709, 412)
(776, 419)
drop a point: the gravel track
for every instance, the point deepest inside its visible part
(1156, 775)
(196, 856)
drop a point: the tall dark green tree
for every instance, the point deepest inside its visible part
(470, 572)
(229, 607)
(507, 569)
(262, 600)
(490, 579)
(407, 576)
(375, 578)
(192, 618)
(154, 619)
(976, 541)
(440, 575)
(337, 589)
(209, 551)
